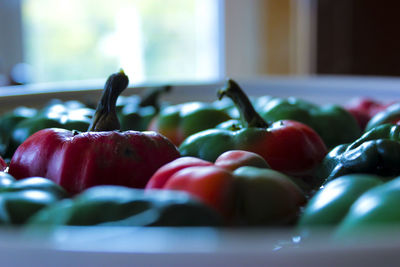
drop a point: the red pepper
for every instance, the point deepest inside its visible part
(363, 109)
(3, 164)
(103, 155)
(243, 195)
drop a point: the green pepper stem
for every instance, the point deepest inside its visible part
(105, 117)
(151, 97)
(248, 115)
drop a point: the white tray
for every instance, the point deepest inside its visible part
(131, 246)
(92, 246)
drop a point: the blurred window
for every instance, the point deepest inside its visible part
(152, 40)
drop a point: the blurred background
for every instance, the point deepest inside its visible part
(195, 40)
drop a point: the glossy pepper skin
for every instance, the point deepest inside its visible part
(211, 184)
(22, 199)
(391, 114)
(122, 206)
(230, 160)
(375, 152)
(70, 115)
(352, 205)
(214, 185)
(288, 146)
(243, 195)
(103, 155)
(333, 123)
(135, 112)
(330, 205)
(177, 122)
(8, 121)
(266, 197)
(377, 207)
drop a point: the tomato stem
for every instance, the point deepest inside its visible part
(105, 117)
(248, 115)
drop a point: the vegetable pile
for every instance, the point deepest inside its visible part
(138, 161)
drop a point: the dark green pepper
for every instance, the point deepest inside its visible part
(376, 209)
(331, 204)
(265, 197)
(333, 123)
(177, 122)
(5, 180)
(22, 199)
(376, 152)
(7, 125)
(122, 206)
(389, 115)
(135, 112)
(352, 206)
(71, 115)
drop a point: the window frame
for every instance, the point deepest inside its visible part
(236, 34)
(12, 46)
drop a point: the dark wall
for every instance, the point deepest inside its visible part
(358, 37)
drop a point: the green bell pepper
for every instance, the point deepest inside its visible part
(331, 204)
(7, 124)
(375, 152)
(333, 123)
(123, 206)
(351, 206)
(135, 112)
(266, 197)
(22, 199)
(71, 115)
(177, 122)
(376, 209)
(389, 115)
